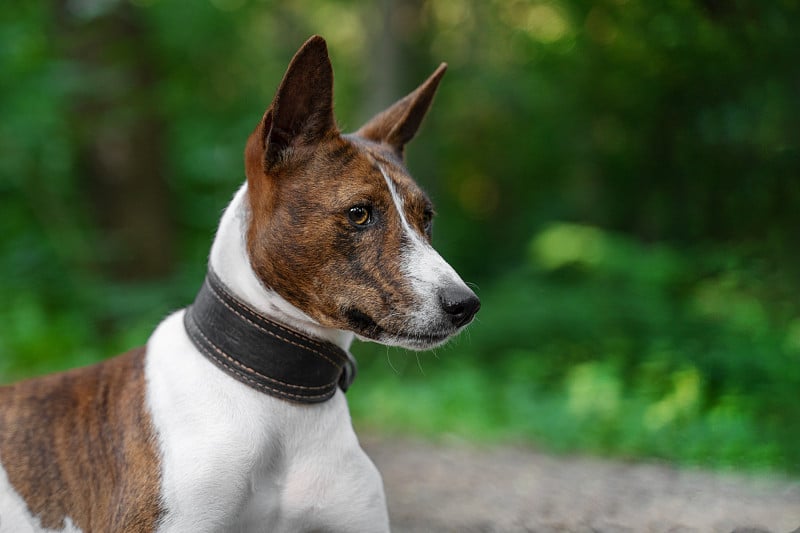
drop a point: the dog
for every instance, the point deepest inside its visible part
(233, 416)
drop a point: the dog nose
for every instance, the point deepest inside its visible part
(459, 303)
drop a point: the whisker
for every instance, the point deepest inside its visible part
(389, 360)
(419, 363)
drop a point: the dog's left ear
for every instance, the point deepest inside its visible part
(398, 124)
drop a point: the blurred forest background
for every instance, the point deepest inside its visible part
(620, 178)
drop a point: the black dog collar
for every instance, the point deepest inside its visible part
(261, 353)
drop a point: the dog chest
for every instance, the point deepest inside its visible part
(235, 459)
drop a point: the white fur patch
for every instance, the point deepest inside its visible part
(15, 516)
(238, 460)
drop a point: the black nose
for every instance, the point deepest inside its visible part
(459, 303)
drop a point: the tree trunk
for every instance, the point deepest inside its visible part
(393, 45)
(118, 136)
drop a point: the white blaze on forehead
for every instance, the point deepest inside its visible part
(423, 265)
(399, 204)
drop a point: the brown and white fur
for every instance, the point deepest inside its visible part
(328, 235)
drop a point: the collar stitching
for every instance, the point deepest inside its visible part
(259, 327)
(262, 386)
(242, 366)
(218, 286)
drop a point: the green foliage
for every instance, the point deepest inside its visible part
(620, 178)
(610, 346)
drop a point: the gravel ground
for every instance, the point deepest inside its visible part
(458, 487)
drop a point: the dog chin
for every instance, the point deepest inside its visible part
(416, 342)
(367, 329)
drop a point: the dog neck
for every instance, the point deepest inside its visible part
(229, 259)
(261, 353)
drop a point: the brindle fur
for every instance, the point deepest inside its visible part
(80, 444)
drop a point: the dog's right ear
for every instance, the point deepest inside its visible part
(301, 114)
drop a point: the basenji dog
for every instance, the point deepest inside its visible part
(233, 416)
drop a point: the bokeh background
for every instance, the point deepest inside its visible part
(619, 178)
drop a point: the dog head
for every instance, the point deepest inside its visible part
(337, 226)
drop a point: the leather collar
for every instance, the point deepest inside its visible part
(261, 353)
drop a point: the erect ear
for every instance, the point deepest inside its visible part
(301, 114)
(398, 124)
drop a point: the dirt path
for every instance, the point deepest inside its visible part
(461, 488)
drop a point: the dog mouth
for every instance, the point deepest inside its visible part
(366, 328)
(418, 342)
(361, 322)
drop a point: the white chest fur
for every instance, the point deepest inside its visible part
(235, 459)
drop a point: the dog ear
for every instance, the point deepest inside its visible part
(398, 124)
(301, 114)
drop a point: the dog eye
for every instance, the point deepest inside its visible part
(427, 221)
(360, 215)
